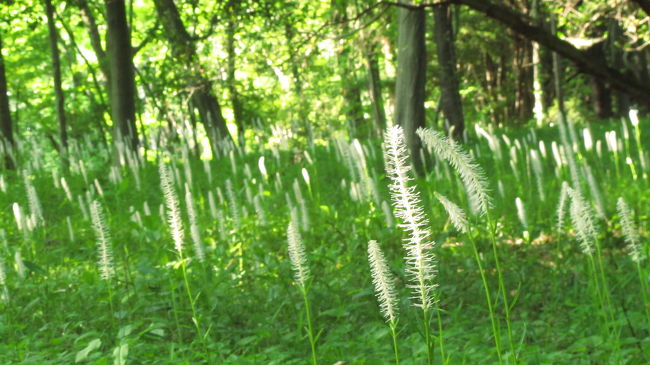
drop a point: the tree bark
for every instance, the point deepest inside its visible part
(596, 67)
(99, 108)
(303, 111)
(237, 107)
(451, 104)
(558, 78)
(349, 83)
(184, 51)
(538, 94)
(6, 125)
(93, 33)
(374, 89)
(411, 76)
(122, 76)
(58, 89)
(524, 99)
(602, 95)
(616, 55)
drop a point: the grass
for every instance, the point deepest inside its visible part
(244, 306)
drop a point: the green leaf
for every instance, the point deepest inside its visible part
(120, 353)
(125, 331)
(34, 268)
(158, 332)
(92, 346)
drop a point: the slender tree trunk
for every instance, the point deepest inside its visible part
(374, 89)
(451, 104)
(558, 76)
(349, 83)
(538, 94)
(352, 95)
(411, 76)
(601, 99)
(100, 107)
(524, 79)
(232, 82)
(58, 89)
(6, 125)
(122, 75)
(184, 51)
(616, 55)
(602, 94)
(303, 111)
(93, 33)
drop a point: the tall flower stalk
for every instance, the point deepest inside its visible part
(385, 290)
(631, 235)
(195, 233)
(176, 226)
(582, 217)
(420, 261)
(298, 259)
(460, 222)
(106, 268)
(476, 184)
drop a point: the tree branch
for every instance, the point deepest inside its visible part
(597, 67)
(643, 4)
(147, 38)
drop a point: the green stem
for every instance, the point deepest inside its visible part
(427, 336)
(310, 328)
(610, 310)
(502, 287)
(110, 302)
(644, 292)
(393, 333)
(488, 298)
(195, 318)
(595, 286)
(440, 337)
(175, 310)
(605, 286)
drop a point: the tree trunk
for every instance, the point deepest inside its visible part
(349, 83)
(303, 111)
(538, 94)
(99, 108)
(411, 76)
(93, 33)
(122, 76)
(5, 116)
(184, 51)
(374, 89)
(232, 82)
(524, 79)
(558, 77)
(601, 99)
(616, 56)
(451, 104)
(58, 89)
(602, 94)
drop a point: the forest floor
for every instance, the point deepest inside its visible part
(239, 303)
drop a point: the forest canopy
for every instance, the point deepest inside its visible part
(250, 70)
